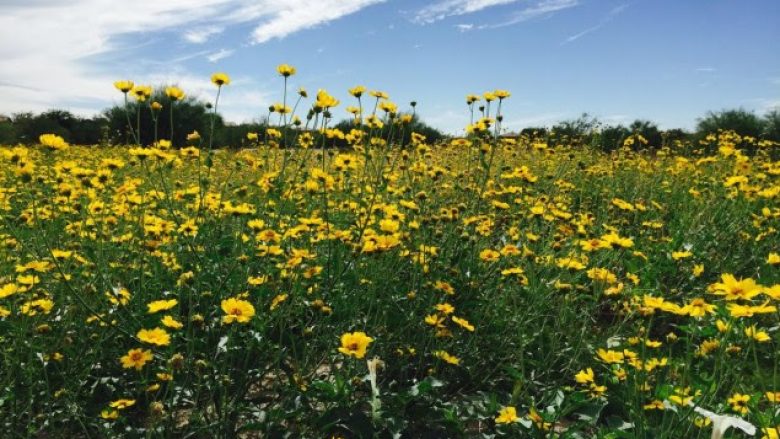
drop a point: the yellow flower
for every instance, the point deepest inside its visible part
(53, 141)
(156, 336)
(434, 320)
(33, 307)
(445, 308)
(170, 322)
(654, 405)
(681, 255)
(389, 226)
(610, 356)
(121, 404)
(697, 307)
(773, 259)
(698, 269)
(136, 358)
(174, 93)
(357, 91)
(489, 255)
(109, 414)
(160, 305)
(755, 334)
(237, 310)
(446, 357)
(501, 94)
(585, 376)
(220, 79)
(285, 70)
(445, 287)
(354, 344)
(739, 402)
(771, 433)
(507, 415)
(734, 289)
(463, 323)
(277, 300)
(124, 86)
(142, 92)
(8, 290)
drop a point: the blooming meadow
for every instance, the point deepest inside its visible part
(487, 286)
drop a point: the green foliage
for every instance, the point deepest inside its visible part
(8, 134)
(772, 125)
(743, 122)
(610, 138)
(649, 131)
(189, 115)
(575, 129)
(402, 135)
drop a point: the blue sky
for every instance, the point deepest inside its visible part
(665, 60)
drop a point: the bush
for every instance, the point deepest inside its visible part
(189, 115)
(772, 126)
(743, 122)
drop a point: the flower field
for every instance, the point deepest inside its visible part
(487, 286)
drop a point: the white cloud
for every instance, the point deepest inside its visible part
(540, 8)
(221, 54)
(200, 35)
(67, 54)
(706, 69)
(303, 14)
(614, 12)
(448, 8)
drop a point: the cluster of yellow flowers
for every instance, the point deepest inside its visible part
(646, 281)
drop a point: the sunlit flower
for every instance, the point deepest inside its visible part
(285, 70)
(136, 358)
(124, 86)
(220, 79)
(355, 344)
(237, 310)
(507, 415)
(156, 336)
(174, 93)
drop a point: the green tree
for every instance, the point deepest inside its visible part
(7, 132)
(772, 125)
(743, 122)
(610, 137)
(189, 115)
(649, 130)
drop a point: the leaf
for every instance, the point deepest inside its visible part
(590, 412)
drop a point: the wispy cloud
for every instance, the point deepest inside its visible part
(448, 8)
(539, 9)
(221, 54)
(614, 12)
(706, 69)
(764, 105)
(200, 35)
(304, 14)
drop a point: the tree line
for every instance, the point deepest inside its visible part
(111, 127)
